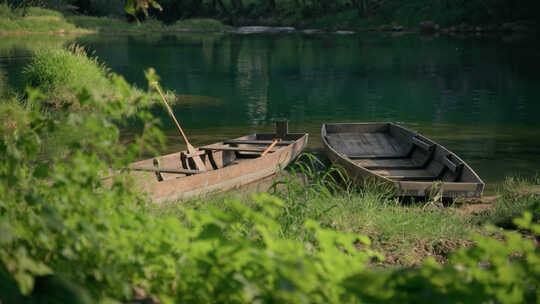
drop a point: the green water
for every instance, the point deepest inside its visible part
(478, 96)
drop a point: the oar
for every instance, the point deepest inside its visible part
(196, 154)
(271, 146)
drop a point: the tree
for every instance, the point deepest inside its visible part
(133, 6)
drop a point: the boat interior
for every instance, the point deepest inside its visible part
(396, 153)
(215, 156)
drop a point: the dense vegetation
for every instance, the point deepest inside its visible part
(17, 19)
(352, 13)
(324, 14)
(69, 235)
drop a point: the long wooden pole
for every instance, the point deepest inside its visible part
(155, 83)
(271, 146)
(196, 158)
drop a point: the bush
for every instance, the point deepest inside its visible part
(518, 195)
(56, 71)
(71, 233)
(39, 12)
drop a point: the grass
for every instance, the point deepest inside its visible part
(105, 24)
(39, 20)
(404, 233)
(517, 195)
(57, 72)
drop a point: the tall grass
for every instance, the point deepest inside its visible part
(107, 24)
(518, 195)
(315, 191)
(32, 19)
(56, 71)
(37, 19)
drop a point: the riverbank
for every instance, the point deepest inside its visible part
(342, 21)
(37, 21)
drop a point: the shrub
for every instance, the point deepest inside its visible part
(69, 235)
(39, 12)
(56, 71)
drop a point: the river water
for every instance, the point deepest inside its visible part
(477, 96)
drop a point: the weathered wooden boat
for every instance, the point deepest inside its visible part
(227, 165)
(394, 155)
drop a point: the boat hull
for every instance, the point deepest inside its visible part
(234, 170)
(383, 151)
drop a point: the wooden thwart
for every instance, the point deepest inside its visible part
(165, 170)
(257, 142)
(226, 170)
(377, 156)
(238, 149)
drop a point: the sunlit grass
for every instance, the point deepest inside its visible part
(39, 20)
(313, 191)
(517, 196)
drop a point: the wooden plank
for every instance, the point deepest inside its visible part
(377, 156)
(412, 178)
(239, 149)
(282, 129)
(421, 144)
(257, 142)
(393, 167)
(451, 165)
(164, 170)
(387, 163)
(416, 174)
(194, 154)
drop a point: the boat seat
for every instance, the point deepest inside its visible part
(257, 142)
(379, 164)
(415, 143)
(377, 156)
(450, 166)
(164, 170)
(237, 149)
(407, 175)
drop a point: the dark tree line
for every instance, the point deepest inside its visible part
(471, 11)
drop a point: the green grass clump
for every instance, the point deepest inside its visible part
(36, 24)
(39, 12)
(57, 71)
(107, 24)
(200, 25)
(32, 19)
(518, 195)
(37, 19)
(405, 233)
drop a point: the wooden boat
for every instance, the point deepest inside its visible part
(394, 155)
(230, 164)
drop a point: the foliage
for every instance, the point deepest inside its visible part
(102, 8)
(38, 19)
(350, 13)
(518, 195)
(56, 71)
(71, 233)
(31, 19)
(133, 6)
(405, 233)
(60, 214)
(103, 24)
